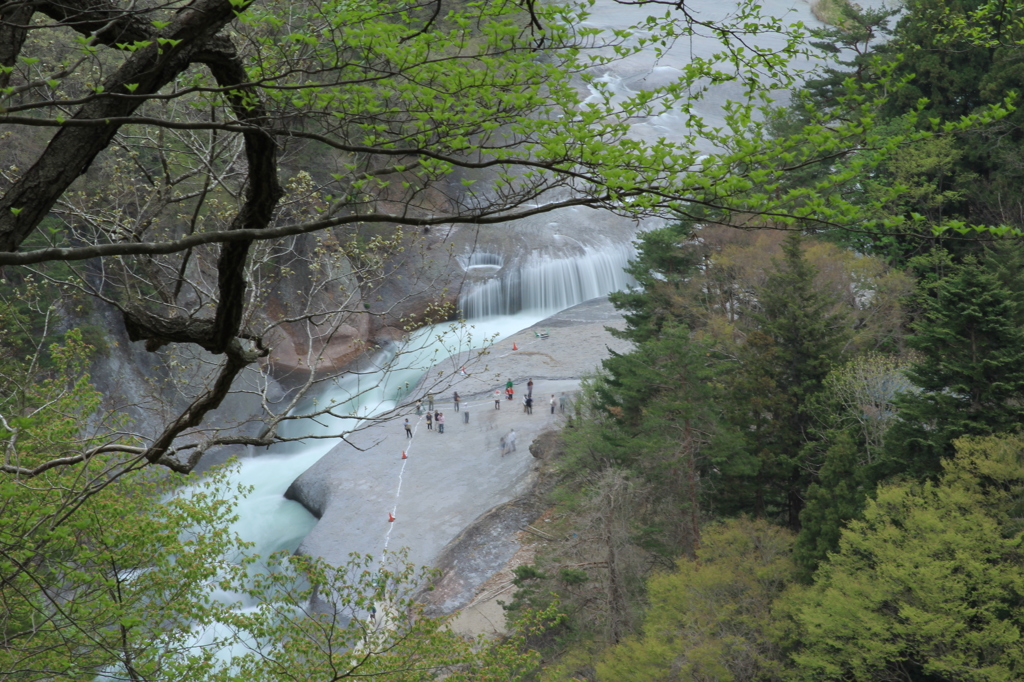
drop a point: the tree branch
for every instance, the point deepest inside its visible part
(72, 149)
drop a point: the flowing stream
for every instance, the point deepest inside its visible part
(495, 307)
(499, 298)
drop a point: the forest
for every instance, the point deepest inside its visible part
(809, 467)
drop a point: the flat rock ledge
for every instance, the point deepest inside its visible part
(458, 503)
(487, 544)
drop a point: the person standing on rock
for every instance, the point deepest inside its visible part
(529, 388)
(455, 399)
(552, 403)
(504, 445)
(465, 415)
(511, 440)
(440, 422)
(408, 428)
(529, 405)
(497, 398)
(561, 402)
(419, 406)
(430, 402)
(430, 422)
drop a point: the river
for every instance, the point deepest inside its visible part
(496, 307)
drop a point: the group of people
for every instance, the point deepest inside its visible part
(435, 418)
(507, 441)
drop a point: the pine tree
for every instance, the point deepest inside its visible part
(666, 259)
(970, 376)
(663, 400)
(852, 43)
(804, 323)
(801, 337)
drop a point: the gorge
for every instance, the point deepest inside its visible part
(509, 278)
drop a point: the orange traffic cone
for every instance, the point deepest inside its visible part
(404, 456)
(391, 517)
(514, 346)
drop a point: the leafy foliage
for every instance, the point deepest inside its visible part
(853, 412)
(111, 572)
(710, 618)
(926, 586)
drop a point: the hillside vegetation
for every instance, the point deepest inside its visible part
(808, 468)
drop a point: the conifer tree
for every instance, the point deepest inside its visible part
(666, 259)
(801, 336)
(837, 497)
(971, 372)
(663, 403)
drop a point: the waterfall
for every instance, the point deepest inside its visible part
(544, 285)
(513, 299)
(506, 295)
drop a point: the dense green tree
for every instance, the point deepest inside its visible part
(801, 336)
(1005, 259)
(970, 374)
(993, 468)
(657, 411)
(837, 496)
(802, 322)
(666, 260)
(710, 619)
(926, 587)
(851, 40)
(958, 72)
(935, 77)
(949, 74)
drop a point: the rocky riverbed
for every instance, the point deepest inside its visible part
(457, 502)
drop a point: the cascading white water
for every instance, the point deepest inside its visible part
(517, 296)
(524, 296)
(542, 287)
(546, 285)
